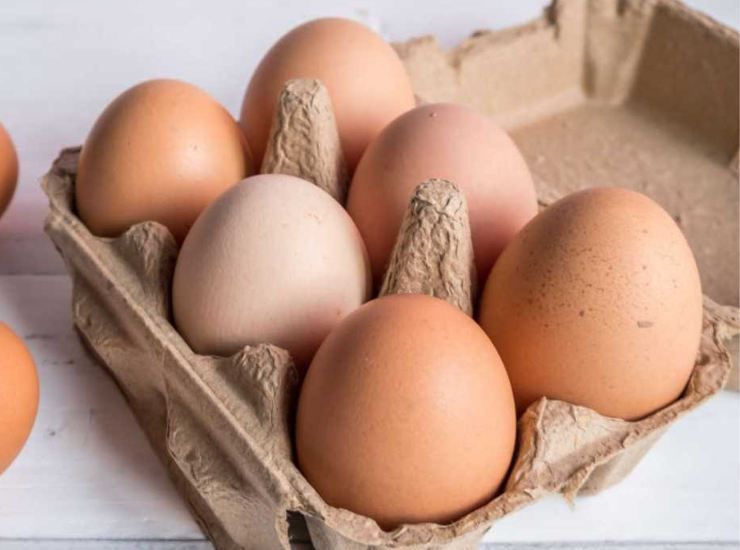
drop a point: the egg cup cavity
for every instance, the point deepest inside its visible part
(222, 425)
(228, 436)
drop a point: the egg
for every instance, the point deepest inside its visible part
(19, 395)
(274, 260)
(367, 82)
(597, 302)
(450, 142)
(8, 169)
(406, 414)
(162, 151)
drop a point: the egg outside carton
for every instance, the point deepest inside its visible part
(222, 425)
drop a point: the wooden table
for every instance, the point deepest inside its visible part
(87, 478)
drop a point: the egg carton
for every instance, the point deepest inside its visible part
(222, 426)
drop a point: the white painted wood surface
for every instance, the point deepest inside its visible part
(87, 478)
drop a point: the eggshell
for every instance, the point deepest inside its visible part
(162, 151)
(450, 142)
(366, 80)
(274, 260)
(19, 395)
(8, 169)
(597, 302)
(406, 414)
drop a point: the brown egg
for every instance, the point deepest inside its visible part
(366, 80)
(442, 141)
(8, 169)
(406, 414)
(19, 395)
(597, 302)
(162, 151)
(274, 260)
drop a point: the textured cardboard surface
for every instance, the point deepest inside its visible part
(434, 252)
(304, 141)
(222, 425)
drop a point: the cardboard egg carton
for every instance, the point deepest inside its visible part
(222, 426)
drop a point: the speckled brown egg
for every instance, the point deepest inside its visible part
(442, 141)
(366, 80)
(406, 414)
(8, 169)
(19, 395)
(597, 302)
(162, 151)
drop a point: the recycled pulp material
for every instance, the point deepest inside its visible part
(304, 141)
(632, 93)
(222, 425)
(434, 252)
